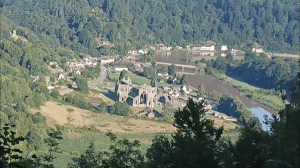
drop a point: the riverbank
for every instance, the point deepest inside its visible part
(213, 84)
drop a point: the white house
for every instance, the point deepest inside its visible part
(77, 72)
(61, 76)
(207, 48)
(224, 48)
(258, 50)
(50, 88)
(142, 52)
(162, 74)
(185, 89)
(169, 48)
(223, 55)
(121, 69)
(208, 107)
(53, 63)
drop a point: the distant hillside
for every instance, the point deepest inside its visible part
(274, 24)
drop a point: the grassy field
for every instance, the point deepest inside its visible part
(272, 101)
(72, 147)
(135, 79)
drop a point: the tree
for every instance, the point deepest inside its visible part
(195, 143)
(54, 93)
(82, 84)
(121, 109)
(150, 72)
(229, 58)
(122, 74)
(153, 81)
(102, 108)
(184, 80)
(220, 64)
(216, 96)
(90, 158)
(251, 149)
(201, 90)
(9, 153)
(172, 70)
(203, 60)
(54, 136)
(167, 113)
(124, 154)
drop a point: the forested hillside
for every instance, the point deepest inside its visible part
(22, 56)
(274, 24)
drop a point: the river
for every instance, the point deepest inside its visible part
(260, 113)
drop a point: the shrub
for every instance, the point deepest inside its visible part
(54, 93)
(78, 101)
(38, 118)
(121, 109)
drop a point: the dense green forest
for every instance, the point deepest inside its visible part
(21, 57)
(274, 24)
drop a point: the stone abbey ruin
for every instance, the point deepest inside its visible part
(135, 95)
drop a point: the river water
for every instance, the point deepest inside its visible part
(261, 114)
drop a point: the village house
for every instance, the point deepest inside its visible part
(234, 52)
(162, 74)
(142, 52)
(223, 55)
(185, 89)
(133, 52)
(35, 78)
(165, 88)
(50, 88)
(61, 74)
(47, 79)
(224, 48)
(54, 63)
(119, 69)
(152, 48)
(107, 59)
(258, 50)
(203, 50)
(163, 47)
(102, 43)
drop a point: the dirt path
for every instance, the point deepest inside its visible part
(213, 84)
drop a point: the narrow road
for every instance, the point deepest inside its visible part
(103, 74)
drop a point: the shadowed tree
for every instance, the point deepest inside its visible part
(195, 143)
(201, 90)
